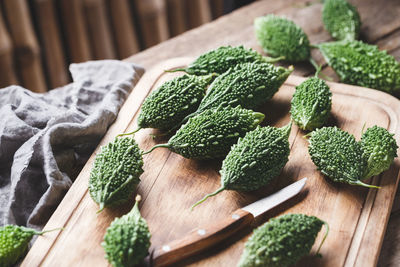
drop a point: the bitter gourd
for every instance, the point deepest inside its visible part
(14, 242)
(127, 239)
(379, 148)
(115, 172)
(211, 133)
(341, 19)
(311, 104)
(338, 155)
(248, 85)
(167, 106)
(223, 58)
(362, 64)
(255, 160)
(280, 37)
(282, 241)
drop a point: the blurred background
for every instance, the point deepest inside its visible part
(40, 38)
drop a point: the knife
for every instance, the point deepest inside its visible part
(202, 238)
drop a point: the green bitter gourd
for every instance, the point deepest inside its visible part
(379, 148)
(115, 172)
(223, 58)
(211, 133)
(311, 104)
(362, 64)
(14, 242)
(338, 155)
(341, 19)
(282, 241)
(280, 37)
(127, 239)
(248, 85)
(167, 106)
(255, 160)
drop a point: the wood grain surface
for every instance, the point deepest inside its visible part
(74, 29)
(123, 28)
(99, 30)
(7, 75)
(176, 16)
(49, 30)
(26, 47)
(153, 21)
(171, 184)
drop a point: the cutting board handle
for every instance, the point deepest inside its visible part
(201, 238)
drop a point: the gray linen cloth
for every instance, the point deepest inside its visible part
(45, 139)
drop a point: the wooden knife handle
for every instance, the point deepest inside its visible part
(200, 239)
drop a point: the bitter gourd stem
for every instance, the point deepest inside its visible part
(32, 231)
(154, 147)
(287, 128)
(101, 208)
(323, 239)
(175, 70)
(135, 131)
(318, 69)
(52, 230)
(363, 128)
(315, 65)
(273, 59)
(207, 196)
(358, 182)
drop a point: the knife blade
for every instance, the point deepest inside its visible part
(202, 238)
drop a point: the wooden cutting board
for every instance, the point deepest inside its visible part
(171, 184)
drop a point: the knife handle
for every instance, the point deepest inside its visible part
(200, 239)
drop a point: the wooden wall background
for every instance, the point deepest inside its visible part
(40, 38)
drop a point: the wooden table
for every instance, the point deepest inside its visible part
(380, 26)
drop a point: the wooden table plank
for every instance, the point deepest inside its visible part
(123, 25)
(7, 75)
(99, 31)
(153, 21)
(73, 18)
(49, 30)
(198, 13)
(176, 16)
(26, 47)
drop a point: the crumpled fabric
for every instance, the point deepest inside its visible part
(45, 139)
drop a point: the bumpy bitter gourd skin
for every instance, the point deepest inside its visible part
(362, 64)
(282, 37)
(338, 155)
(127, 239)
(223, 58)
(281, 242)
(212, 133)
(311, 104)
(341, 19)
(255, 160)
(115, 172)
(248, 85)
(380, 149)
(167, 106)
(14, 242)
